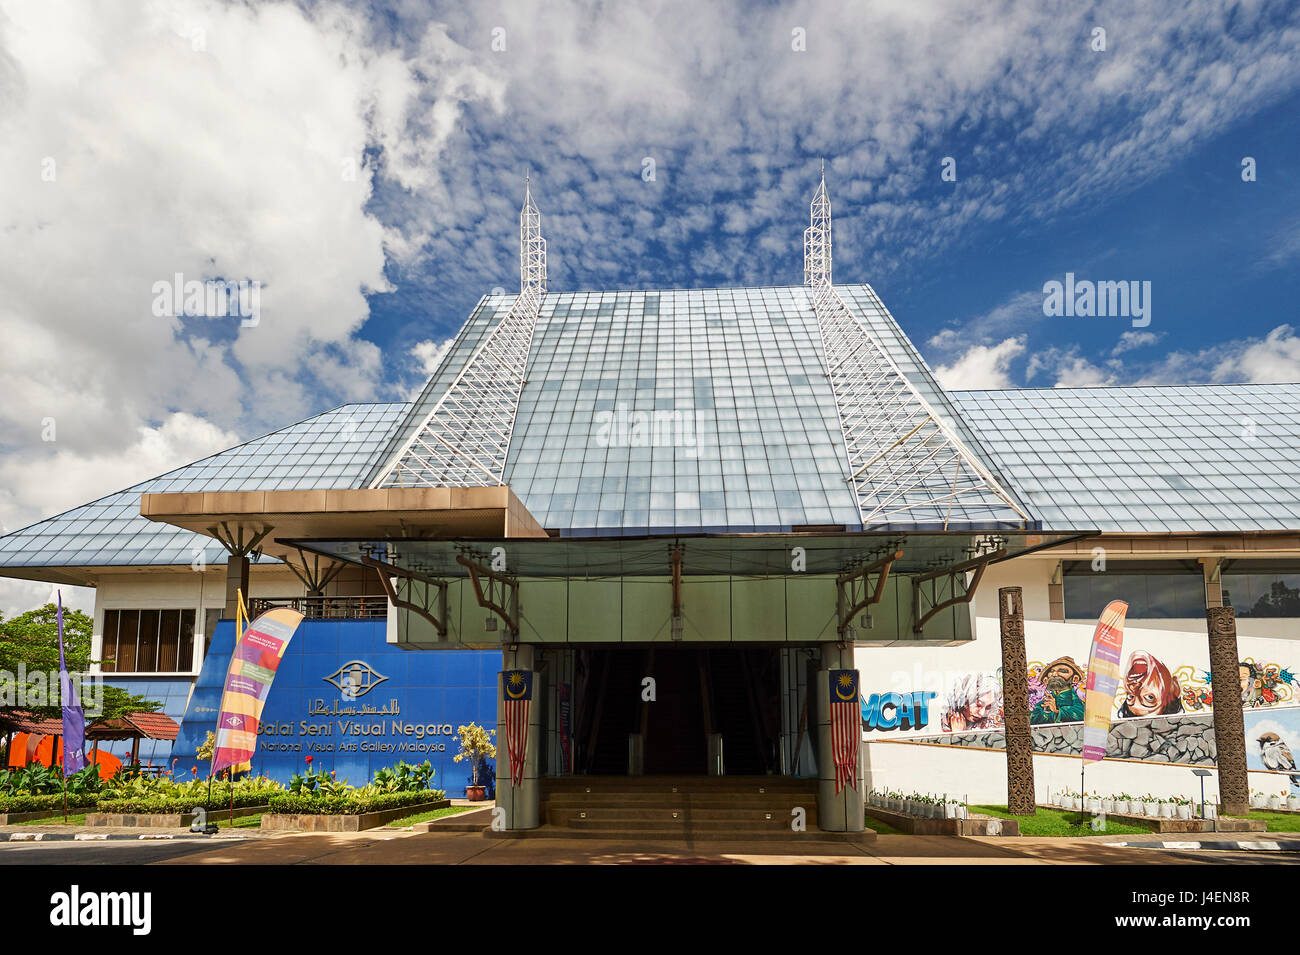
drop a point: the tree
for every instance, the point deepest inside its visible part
(30, 642)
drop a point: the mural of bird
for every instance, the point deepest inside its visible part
(1276, 755)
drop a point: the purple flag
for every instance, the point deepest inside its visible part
(74, 720)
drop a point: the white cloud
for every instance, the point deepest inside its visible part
(139, 140)
(1128, 341)
(981, 367)
(1274, 358)
(36, 485)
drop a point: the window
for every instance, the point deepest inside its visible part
(1259, 589)
(148, 641)
(1153, 591)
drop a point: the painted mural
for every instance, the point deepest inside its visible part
(1150, 686)
(974, 702)
(1272, 740)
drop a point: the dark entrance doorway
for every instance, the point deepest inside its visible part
(708, 700)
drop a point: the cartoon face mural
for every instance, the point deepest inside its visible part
(974, 703)
(1149, 688)
(1056, 692)
(1262, 684)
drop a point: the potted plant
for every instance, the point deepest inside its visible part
(476, 746)
(1258, 800)
(1183, 807)
(1151, 806)
(1166, 809)
(1122, 804)
(1293, 803)
(1092, 803)
(1275, 801)
(1108, 804)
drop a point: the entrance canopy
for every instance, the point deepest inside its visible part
(743, 555)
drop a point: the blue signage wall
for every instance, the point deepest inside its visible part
(353, 703)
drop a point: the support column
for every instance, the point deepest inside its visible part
(236, 581)
(1015, 703)
(521, 804)
(1229, 723)
(844, 811)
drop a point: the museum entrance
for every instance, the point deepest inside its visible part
(673, 710)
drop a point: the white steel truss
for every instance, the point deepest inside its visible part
(906, 465)
(464, 440)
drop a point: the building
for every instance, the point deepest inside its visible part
(681, 522)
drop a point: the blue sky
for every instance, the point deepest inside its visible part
(362, 162)
(1142, 182)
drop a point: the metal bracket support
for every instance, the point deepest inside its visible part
(949, 576)
(433, 606)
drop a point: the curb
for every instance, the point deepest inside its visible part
(1291, 845)
(108, 837)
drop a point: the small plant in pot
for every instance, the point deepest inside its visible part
(477, 747)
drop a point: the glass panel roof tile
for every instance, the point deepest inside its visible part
(710, 409)
(120, 536)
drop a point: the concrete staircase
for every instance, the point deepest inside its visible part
(699, 808)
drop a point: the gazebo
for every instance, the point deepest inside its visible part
(132, 726)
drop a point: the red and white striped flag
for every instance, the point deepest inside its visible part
(846, 727)
(516, 694)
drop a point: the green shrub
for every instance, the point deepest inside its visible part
(38, 780)
(164, 804)
(353, 803)
(53, 802)
(404, 777)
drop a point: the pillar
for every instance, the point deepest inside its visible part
(1229, 723)
(521, 804)
(236, 581)
(844, 811)
(1015, 703)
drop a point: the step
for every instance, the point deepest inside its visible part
(697, 829)
(748, 800)
(811, 837)
(561, 816)
(695, 784)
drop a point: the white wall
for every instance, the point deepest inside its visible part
(981, 775)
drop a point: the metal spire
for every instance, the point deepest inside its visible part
(817, 239)
(463, 441)
(532, 247)
(906, 465)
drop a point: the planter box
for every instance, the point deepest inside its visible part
(166, 820)
(10, 818)
(944, 827)
(313, 822)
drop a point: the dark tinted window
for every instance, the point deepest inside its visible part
(1150, 595)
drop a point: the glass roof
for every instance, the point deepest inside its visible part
(331, 450)
(1194, 458)
(709, 411)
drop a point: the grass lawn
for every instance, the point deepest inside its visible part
(1059, 822)
(1276, 821)
(74, 819)
(427, 815)
(883, 829)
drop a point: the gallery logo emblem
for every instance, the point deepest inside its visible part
(355, 679)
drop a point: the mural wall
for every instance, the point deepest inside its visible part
(1162, 710)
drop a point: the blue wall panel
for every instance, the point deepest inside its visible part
(411, 713)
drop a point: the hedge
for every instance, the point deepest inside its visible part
(144, 805)
(349, 805)
(51, 801)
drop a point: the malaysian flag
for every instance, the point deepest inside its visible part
(846, 727)
(516, 693)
